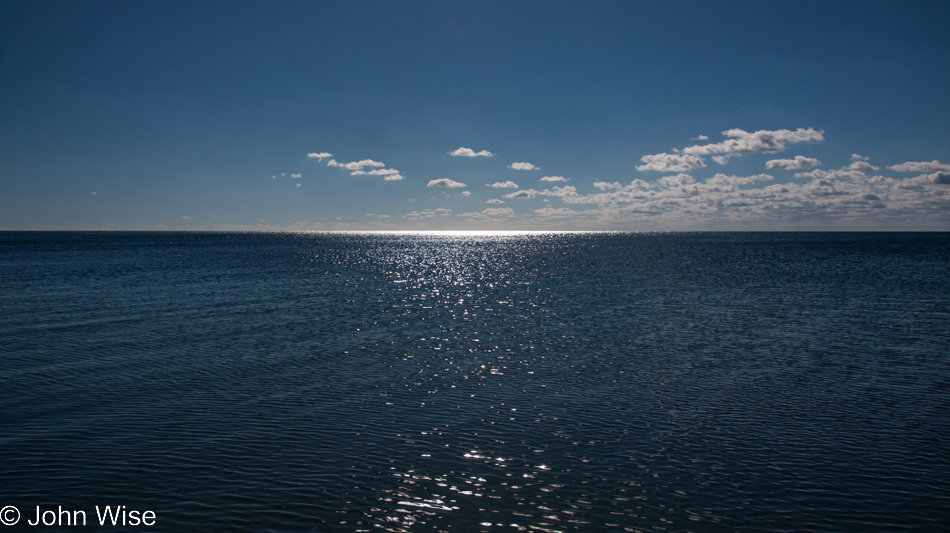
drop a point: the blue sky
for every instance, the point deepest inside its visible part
(642, 115)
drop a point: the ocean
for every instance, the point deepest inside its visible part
(545, 382)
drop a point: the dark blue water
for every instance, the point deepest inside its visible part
(500, 382)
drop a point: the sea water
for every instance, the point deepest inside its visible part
(477, 382)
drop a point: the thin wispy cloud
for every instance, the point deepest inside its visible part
(494, 201)
(319, 156)
(499, 212)
(556, 212)
(468, 152)
(429, 213)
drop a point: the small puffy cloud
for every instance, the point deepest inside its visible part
(494, 201)
(800, 162)
(393, 177)
(921, 166)
(527, 193)
(762, 141)
(295, 176)
(319, 156)
(428, 213)
(298, 185)
(676, 180)
(523, 166)
(554, 178)
(858, 157)
(445, 182)
(603, 185)
(468, 152)
(375, 172)
(670, 162)
(700, 138)
(466, 193)
(93, 193)
(355, 165)
(863, 166)
(504, 185)
(499, 212)
(722, 159)
(359, 165)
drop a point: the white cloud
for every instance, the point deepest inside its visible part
(499, 212)
(393, 177)
(937, 178)
(428, 213)
(670, 162)
(523, 166)
(799, 162)
(298, 185)
(445, 182)
(700, 138)
(762, 141)
(603, 185)
(295, 176)
(556, 212)
(675, 180)
(858, 157)
(527, 193)
(863, 166)
(376, 172)
(93, 192)
(504, 185)
(358, 165)
(494, 201)
(466, 193)
(319, 156)
(921, 166)
(554, 178)
(722, 180)
(468, 152)
(355, 165)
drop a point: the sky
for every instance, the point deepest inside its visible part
(497, 115)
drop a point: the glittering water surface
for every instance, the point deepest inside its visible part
(486, 382)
